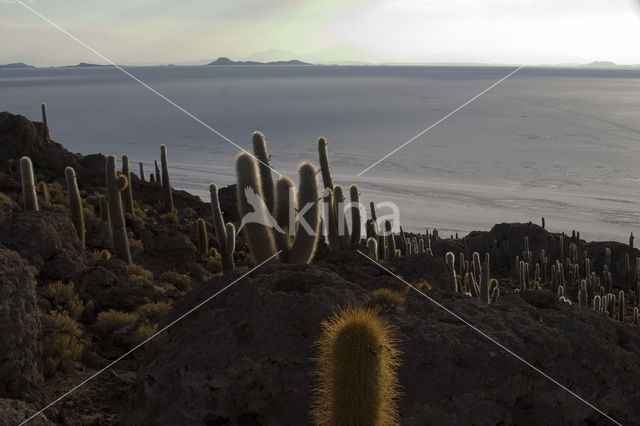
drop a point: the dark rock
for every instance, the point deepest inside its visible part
(21, 349)
(13, 412)
(47, 240)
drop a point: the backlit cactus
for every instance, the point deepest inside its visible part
(158, 176)
(203, 238)
(118, 228)
(286, 207)
(264, 165)
(324, 163)
(338, 208)
(75, 203)
(166, 184)
(356, 219)
(372, 248)
(127, 194)
(329, 214)
(453, 280)
(29, 197)
(357, 371)
(258, 235)
(225, 248)
(45, 123)
(308, 228)
(142, 178)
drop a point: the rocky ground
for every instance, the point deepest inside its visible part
(246, 356)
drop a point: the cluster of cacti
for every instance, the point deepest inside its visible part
(357, 370)
(474, 278)
(75, 203)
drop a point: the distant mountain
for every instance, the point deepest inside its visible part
(226, 61)
(86, 65)
(17, 65)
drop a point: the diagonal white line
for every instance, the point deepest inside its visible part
(482, 333)
(142, 83)
(111, 364)
(446, 116)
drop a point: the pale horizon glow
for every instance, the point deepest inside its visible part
(171, 31)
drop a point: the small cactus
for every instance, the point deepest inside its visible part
(224, 247)
(338, 209)
(621, 305)
(372, 248)
(166, 184)
(45, 123)
(118, 228)
(357, 370)
(142, 178)
(453, 280)
(259, 237)
(158, 175)
(127, 194)
(285, 206)
(308, 229)
(324, 163)
(29, 197)
(75, 203)
(203, 238)
(356, 219)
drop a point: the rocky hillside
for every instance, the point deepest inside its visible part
(246, 357)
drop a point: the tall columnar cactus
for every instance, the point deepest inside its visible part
(166, 184)
(286, 207)
(226, 242)
(636, 316)
(203, 238)
(104, 210)
(158, 174)
(29, 197)
(391, 240)
(331, 219)
(372, 248)
(264, 165)
(484, 282)
(324, 163)
(127, 194)
(621, 305)
(308, 229)
(357, 371)
(45, 123)
(142, 178)
(453, 280)
(356, 219)
(118, 228)
(249, 195)
(495, 294)
(75, 203)
(338, 208)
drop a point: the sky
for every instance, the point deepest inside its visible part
(171, 31)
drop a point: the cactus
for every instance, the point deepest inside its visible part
(75, 203)
(29, 198)
(372, 248)
(597, 304)
(118, 228)
(543, 224)
(223, 239)
(158, 175)
(142, 178)
(338, 209)
(127, 194)
(152, 178)
(607, 256)
(203, 238)
(636, 316)
(356, 219)
(495, 295)
(166, 184)
(357, 370)
(45, 124)
(453, 280)
(331, 219)
(264, 165)
(104, 210)
(324, 163)
(285, 206)
(621, 305)
(484, 282)
(391, 239)
(43, 189)
(259, 237)
(308, 229)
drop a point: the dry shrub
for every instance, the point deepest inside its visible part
(180, 281)
(153, 310)
(143, 332)
(138, 275)
(65, 298)
(113, 320)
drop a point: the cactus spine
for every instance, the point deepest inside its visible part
(356, 220)
(127, 194)
(259, 237)
(166, 185)
(75, 203)
(266, 178)
(357, 365)
(118, 228)
(203, 238)
(324, 163)
(308, 228)
(29, 197)
(226, 250)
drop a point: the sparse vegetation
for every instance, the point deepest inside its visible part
(65, 299)
(171, 217)
(180, 281)
(153, 311)
(113, 320)
(136, 274)
(143, 332)
(386, 299)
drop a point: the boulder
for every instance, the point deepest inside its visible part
(21, 349)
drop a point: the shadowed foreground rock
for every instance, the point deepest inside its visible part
(245, 358)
